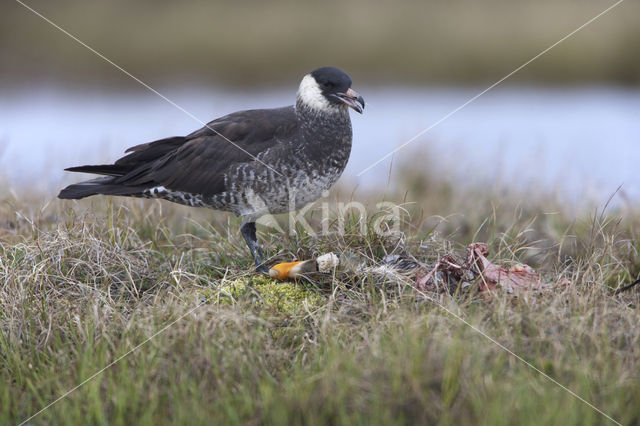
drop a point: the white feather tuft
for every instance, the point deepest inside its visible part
(327, 262)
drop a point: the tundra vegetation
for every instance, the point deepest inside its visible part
(84, 283)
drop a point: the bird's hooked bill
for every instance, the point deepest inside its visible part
(352, 99)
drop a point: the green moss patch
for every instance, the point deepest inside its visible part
(289, 298)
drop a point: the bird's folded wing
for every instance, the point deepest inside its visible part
(199, 162)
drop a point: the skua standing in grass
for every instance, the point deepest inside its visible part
(251, 163)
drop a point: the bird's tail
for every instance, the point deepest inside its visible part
(122, 177)
(104, 185)
(101, 169)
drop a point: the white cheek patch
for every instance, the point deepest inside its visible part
(310, 94)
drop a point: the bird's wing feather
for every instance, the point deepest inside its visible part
(150, 151)
(198, 164)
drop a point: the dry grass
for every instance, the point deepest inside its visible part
(83, 283)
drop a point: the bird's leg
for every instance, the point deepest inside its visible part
(248, 231)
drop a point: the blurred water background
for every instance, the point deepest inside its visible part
(569, 123)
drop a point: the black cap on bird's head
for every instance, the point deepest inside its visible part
(327, 88)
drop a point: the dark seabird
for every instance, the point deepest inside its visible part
(250, 163)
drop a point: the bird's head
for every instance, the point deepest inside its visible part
(329, 89)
